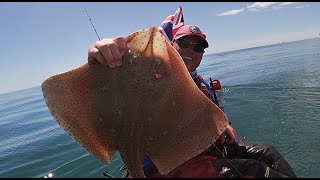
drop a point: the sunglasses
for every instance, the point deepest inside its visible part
(198, 47)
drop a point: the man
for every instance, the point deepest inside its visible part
(225, 158)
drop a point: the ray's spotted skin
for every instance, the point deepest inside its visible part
(137, 109)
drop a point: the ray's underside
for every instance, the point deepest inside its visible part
(149, 105)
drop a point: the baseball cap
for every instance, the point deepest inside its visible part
(190, 30)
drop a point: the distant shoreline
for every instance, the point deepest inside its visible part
(254, 47)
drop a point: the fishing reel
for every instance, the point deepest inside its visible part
(215, 85)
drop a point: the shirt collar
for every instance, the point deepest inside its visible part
(193, 74)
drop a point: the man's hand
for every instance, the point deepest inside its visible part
(108, 52)
(228, 135)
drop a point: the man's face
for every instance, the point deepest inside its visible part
(190, 56)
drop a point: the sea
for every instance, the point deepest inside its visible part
(271, 94)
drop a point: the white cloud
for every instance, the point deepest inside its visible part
(288, 3)
(232, 12)
(299, 7)
(276, 8)
(257, 6)
(262, 5)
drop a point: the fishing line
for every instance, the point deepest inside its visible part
(91, 22)
(227, 159)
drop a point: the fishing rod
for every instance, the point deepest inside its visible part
(214, 93)
(215, 85)
(91, 23)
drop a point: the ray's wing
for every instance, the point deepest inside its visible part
(184, 121)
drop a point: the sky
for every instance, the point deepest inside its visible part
(38, 40)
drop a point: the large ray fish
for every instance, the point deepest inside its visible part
(149, 105)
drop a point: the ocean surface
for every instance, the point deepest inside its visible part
(271, 94)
